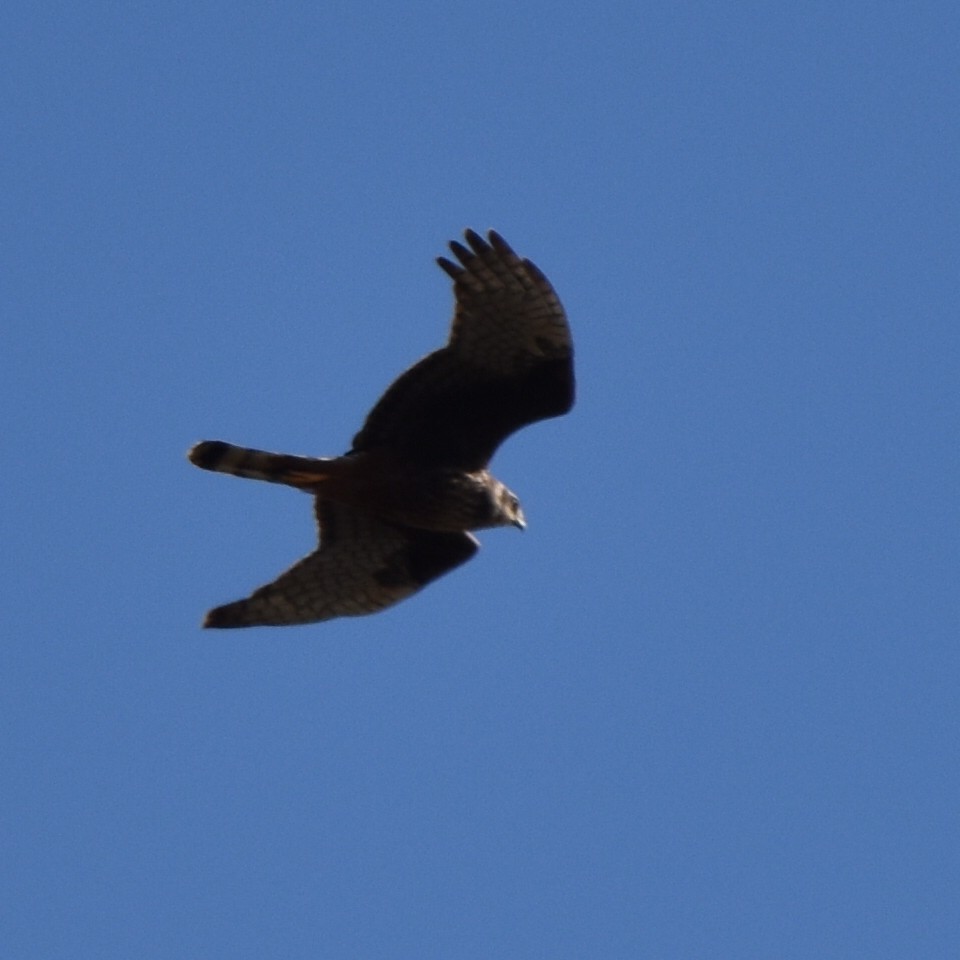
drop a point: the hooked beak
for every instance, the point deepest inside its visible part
(520, 521)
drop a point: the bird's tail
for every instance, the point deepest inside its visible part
(301, 472)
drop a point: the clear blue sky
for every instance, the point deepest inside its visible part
(707, 705)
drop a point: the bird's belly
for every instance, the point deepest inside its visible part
(405, 493)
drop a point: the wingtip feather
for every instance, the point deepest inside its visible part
(452, 270)
(225, 616)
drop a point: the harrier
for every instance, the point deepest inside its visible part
(394, 513)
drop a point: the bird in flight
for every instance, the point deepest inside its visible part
(394, 513)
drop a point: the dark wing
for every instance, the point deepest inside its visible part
(508, 362)
(361, 566)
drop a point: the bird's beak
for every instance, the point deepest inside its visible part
(520, 522)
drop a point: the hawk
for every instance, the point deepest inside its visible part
(394, 513)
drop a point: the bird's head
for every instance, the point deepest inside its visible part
(506, 507)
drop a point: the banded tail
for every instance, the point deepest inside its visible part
(301, 472)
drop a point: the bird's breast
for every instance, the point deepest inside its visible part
(429, 498)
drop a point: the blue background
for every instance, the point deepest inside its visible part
(707, 705)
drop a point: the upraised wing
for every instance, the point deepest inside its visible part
(508, 363)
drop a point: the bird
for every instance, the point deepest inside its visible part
(396, 511)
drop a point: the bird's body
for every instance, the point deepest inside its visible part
(395, 511)
(394, 488)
